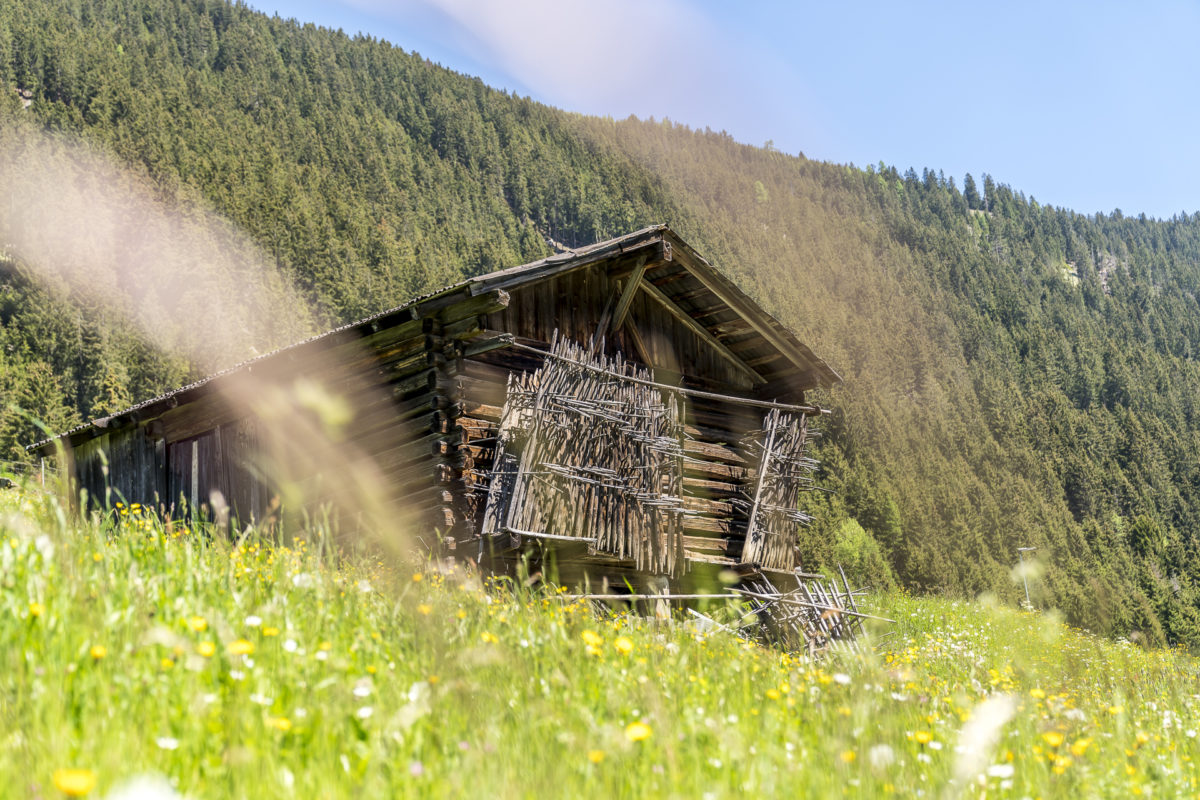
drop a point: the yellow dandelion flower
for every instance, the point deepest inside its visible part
(624, 645)
(424, 609)
(1142, 737)
(270, 630)
(74, 782)
(98, 651)
(97, 557)
(1037, 694)
(462, 614)
(280, 723)
(166, 663)
(773, 694)
(240, 647)
(592, 638)
(326, 646)
(638, 732)
(417, 577)
(848, 756)
(1053, 738)
(36, 609)
(197, 624)
(1080, 746)
(206, 649)
(1114, 710)
(595, 756)
(489, 637)
(923, 737)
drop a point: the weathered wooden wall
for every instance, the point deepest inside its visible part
(574, 303)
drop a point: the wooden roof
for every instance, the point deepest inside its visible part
(668, 270)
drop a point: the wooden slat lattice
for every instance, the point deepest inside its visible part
(784, 470)
(585, 454)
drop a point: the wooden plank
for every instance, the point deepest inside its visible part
(709, 488)
(712, 452)
(652, 246)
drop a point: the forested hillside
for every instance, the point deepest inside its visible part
(1016, 374)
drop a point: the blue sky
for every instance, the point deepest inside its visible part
(1090, 106)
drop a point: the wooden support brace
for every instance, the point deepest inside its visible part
(627, 295)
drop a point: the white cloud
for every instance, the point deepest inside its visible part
(647, 57)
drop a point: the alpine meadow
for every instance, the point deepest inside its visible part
(1015, 376)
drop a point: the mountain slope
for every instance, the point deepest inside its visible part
(1016, 375)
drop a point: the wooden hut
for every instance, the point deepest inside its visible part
(623, 405)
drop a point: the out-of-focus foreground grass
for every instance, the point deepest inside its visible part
(210, 669)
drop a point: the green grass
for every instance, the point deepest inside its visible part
(266, 671)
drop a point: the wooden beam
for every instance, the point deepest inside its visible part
(640, 344)
(631, 287)
(699, 330)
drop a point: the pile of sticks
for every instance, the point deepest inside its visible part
(817, 616)
(586, 454)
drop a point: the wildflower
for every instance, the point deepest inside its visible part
(97, 557)
(74, 782)
(36, 609)
(270, 630)
(923, 737)
(592, 638)
(280, 723)
(773, 694)
(240, 647)
(417, 577)
(424, 609)
(595, 756)
(624, 645)
(254, 621)
(1114, 710)
(365, 712)
(848, 756)
(98, 651)
(206, 649)
(1001, 771)
(197, 624)
(1037, 694)
(1053, 738)
(488, 637)
(881, 755)
(1080, 746)
(637, 732)
(167, 743)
